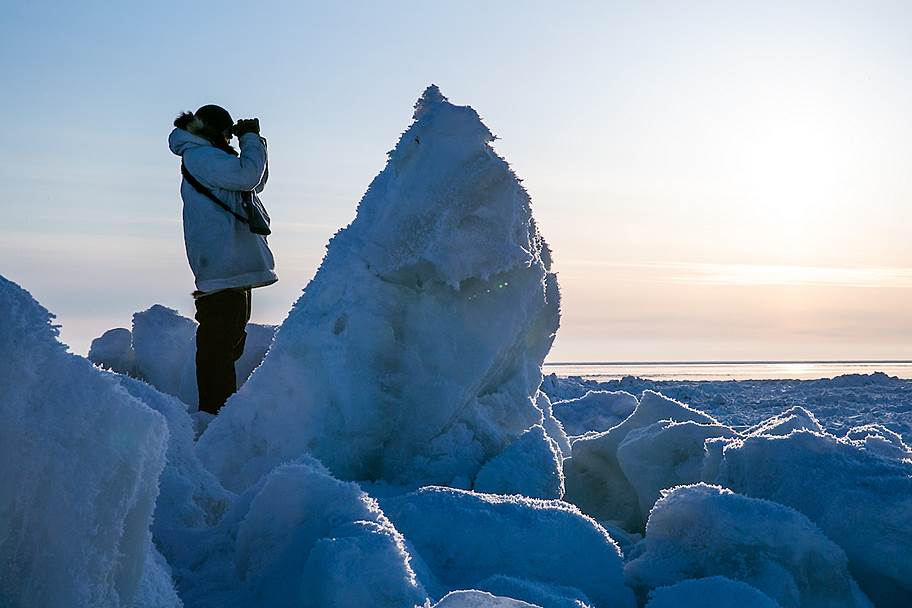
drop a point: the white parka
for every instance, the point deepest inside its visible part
(222, 251)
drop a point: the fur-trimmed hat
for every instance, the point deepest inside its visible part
(210, 123)
(210, 117)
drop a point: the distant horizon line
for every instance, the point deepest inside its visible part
(738, 362)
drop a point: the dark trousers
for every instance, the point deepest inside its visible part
(220, 339)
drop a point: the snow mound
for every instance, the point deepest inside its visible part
(414, 355)
(709, 592)
(665, 454)
(531, 466)
(79, 466)
(793, 419)
(595, 411)
(861, 500)
(466, 537)
(594, 478)
(161, 350)
(700, 530)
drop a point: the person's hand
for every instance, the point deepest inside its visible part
(247, 125)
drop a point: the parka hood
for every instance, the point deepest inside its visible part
(180, 141)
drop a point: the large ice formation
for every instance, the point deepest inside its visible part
(699, 530)
(414, 355)
(79, 465)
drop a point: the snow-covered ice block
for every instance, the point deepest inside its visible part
(190, 498)
(113, 350)
(879, 439)
(665, 454)
(593, 475)
(531, 466)
(163, 342)
(79, 466)
(309, 540)
(466, 537)
(860, 500)
(701, 530)
(710, 592)
(161, 350)
(480, 599)
(540, 594)
(793, 419)
(414, 355)
(595, 411)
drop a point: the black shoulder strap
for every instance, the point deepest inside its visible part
(208, 193)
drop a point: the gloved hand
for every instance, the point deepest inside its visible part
(247, 125)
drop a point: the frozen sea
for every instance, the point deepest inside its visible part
(728, 370)
(840, 394)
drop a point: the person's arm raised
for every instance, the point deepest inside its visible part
(262, 183)
(215, 168)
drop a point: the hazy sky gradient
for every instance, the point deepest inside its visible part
(719, 180)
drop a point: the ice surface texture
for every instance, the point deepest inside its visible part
(701, 530)
(414, 355)
(860, 499)
(709, 592)
(79, 465)
(596, 411)
(466, 537)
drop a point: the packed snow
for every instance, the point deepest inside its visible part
(396, 446)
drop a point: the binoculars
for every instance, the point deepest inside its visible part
(246, 125)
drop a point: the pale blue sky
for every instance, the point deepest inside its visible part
(720, 180)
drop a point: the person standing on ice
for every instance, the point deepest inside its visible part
(224, 233)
